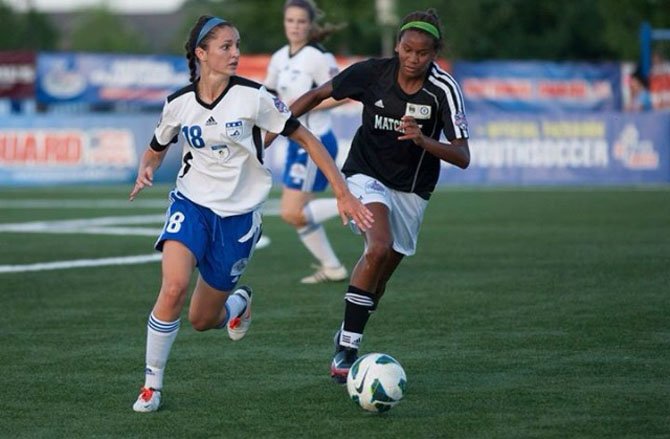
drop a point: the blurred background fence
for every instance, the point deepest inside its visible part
(79, 116)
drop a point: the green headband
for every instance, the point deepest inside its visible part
(423, 26)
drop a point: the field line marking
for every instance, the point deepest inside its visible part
(67, 226)
(78, 263)
(271, 207)
(83, 204)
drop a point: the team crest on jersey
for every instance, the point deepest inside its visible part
(418, 111)
(234, 129)
(280, 105)
(460, 120)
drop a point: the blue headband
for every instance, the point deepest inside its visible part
(206, 28)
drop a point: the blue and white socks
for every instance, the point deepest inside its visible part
(160, 337)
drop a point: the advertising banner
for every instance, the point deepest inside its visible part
(64, 150)
(17, 75)
(100, 79)
(516, 150)
(138, 79)
(526, 86)
(586, 149)
(659, 84)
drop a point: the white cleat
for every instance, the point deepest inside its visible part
(148, 401)
(238, 326)
(326, 274)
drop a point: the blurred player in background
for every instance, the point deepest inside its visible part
(640, 96)
(394, 161)
(294, 69)
(214, 221)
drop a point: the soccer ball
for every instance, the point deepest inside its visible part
(376, 382)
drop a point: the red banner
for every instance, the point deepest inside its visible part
(17, 75)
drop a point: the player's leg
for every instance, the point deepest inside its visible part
(299, 208)
(393, 236)
(296, 208)
(211, 308)
(386, 272)
(360, 298)
(163, 325)
(221, 266)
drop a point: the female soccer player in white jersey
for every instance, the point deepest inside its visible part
(297, 67)
(394, 161)
(213, 221)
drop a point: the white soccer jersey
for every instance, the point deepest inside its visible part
(222, 160)
(291, 76)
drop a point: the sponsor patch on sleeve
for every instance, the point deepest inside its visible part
(460, 120)
(280, 105)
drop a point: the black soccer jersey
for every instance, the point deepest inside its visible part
(376, 150)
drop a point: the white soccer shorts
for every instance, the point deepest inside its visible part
(405, 210)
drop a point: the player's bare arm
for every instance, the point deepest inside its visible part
(150, 161)
(311, 99)
(457, 152)
(348, 205)
(304, 104)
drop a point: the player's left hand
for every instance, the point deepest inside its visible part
(411, 130)
(351, 207)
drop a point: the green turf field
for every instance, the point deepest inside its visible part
(525, 313)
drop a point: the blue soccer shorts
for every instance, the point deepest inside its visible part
(222, 246)
(300, 172)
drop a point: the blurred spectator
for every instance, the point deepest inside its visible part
(640, 97)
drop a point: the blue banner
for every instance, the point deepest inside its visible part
(507, 149)
(100, 79)
(593, 149)
(40, 150)
(527, 86)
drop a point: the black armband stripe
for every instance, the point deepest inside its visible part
(258, 142)
(156, 146)
(292, 124)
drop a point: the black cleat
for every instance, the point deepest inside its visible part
(343, 359)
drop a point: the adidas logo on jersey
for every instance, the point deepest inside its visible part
(379, 104)
(210, 121)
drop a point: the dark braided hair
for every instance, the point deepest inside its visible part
(428, 16)
(190, 43)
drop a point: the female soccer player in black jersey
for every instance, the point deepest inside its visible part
(394, 161)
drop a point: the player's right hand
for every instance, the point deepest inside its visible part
(144, 178)
(351, 208)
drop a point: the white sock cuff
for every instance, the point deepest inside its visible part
(350, 339)
(163, 327)
(309, 229)
(235, 305)
(320, 210)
